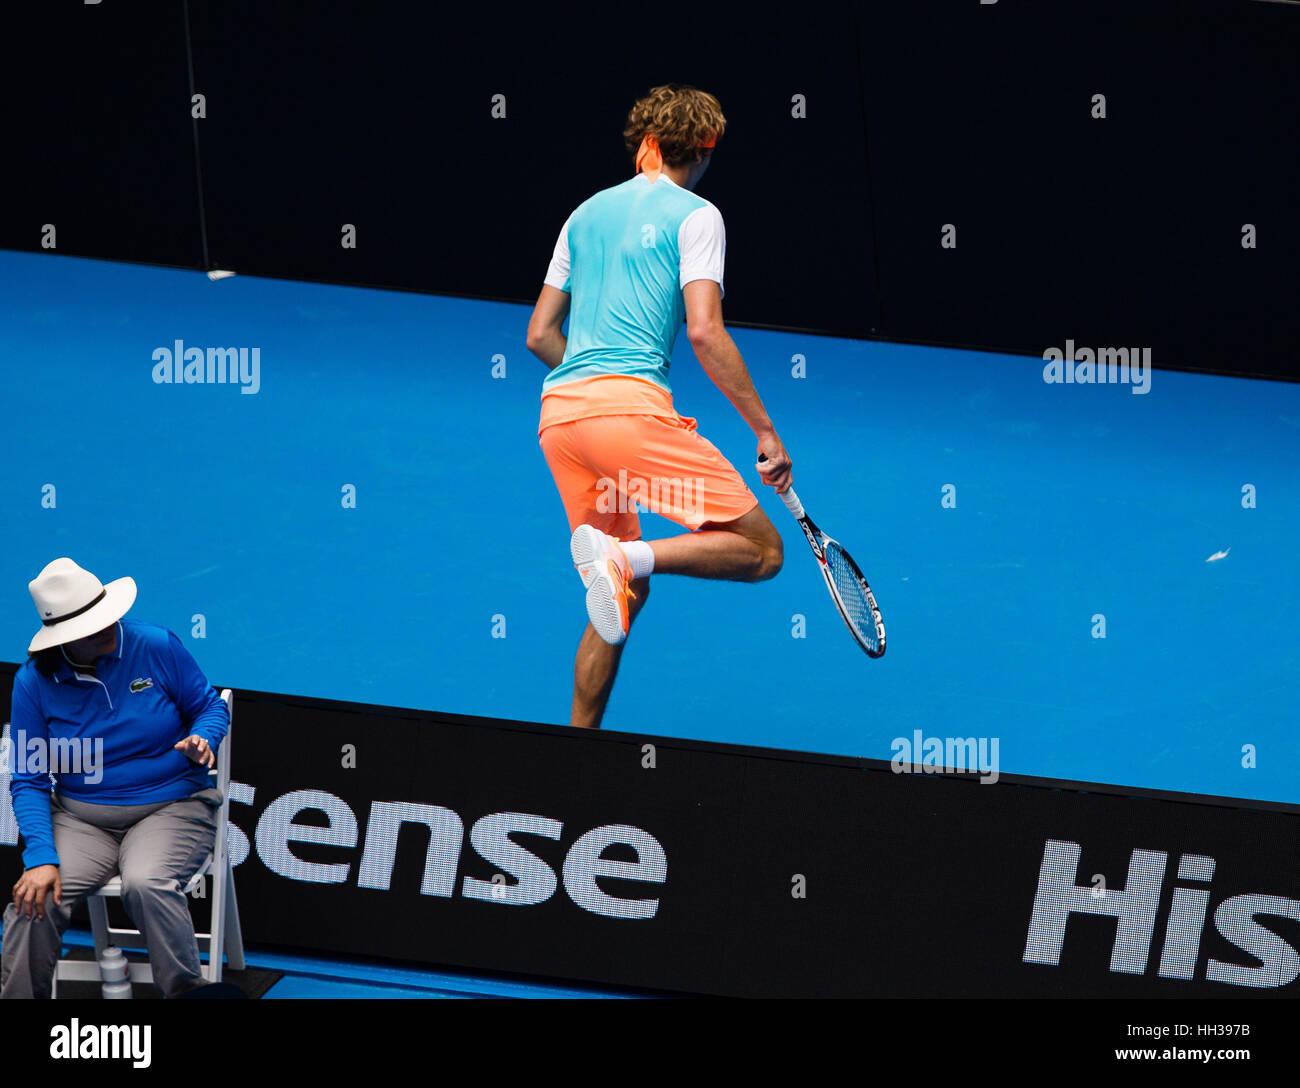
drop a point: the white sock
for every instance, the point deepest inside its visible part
(640, 557)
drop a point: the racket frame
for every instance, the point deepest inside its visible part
(819, 542)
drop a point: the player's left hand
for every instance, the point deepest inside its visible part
(197, 749)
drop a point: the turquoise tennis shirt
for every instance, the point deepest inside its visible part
(624, 256)
(107, 739)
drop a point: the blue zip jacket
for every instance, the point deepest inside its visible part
(108, 740)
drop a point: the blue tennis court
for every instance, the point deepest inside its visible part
(447, 585)
(317, 977)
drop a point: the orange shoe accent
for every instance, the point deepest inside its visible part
(624, 575)
(623, 593)
(621, 575)
(584, 571)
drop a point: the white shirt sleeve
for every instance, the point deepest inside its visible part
(557, 275)
(702, 243)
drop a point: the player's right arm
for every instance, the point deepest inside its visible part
(721, 360)
(546, 337)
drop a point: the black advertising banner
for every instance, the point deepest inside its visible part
(710, 869)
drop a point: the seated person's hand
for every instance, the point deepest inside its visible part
(32, 888)
(196, 748)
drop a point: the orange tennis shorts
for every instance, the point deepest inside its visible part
(608, 465)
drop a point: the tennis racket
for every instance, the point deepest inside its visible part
(848, 587)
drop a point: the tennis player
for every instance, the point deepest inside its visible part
(630, 265)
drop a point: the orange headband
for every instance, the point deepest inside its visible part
(651, 160)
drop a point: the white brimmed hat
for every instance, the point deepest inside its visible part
(73, 603)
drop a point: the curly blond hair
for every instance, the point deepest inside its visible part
(681, 118)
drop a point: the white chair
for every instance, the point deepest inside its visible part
(226, 935)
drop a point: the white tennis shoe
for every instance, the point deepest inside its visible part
(607, 576)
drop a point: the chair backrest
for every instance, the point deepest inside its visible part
(8, 822)
(221, 845)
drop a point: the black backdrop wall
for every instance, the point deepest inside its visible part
(861, 136)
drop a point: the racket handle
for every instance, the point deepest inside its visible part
(788, 496)
(792, 502)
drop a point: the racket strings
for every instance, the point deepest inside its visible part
(852, 596)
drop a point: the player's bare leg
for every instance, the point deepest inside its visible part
(597, 665)
(748, 549)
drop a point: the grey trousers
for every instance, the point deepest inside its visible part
(155, 849)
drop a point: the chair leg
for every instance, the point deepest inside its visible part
(98, 923)
(234, 941)
(216, 930)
